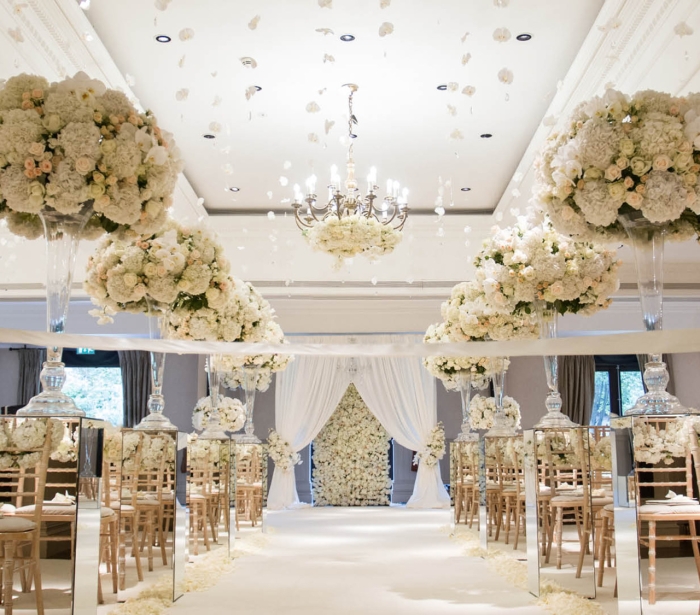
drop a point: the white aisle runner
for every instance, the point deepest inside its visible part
(362, 561)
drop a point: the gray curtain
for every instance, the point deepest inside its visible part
(30, 362)
(136, 384)
(577, 387)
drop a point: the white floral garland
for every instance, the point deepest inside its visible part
(351, 464)
(482, 411)
(601, 455)
(434, 449)
(18, 446)
(266, 364)
(666, 445)
(449, 369)
(202, 451)
(531, 262)
(621, 154)
(352, 235)
(120, 447)
(75, 142)
(176, 267)
(231, 413)
(280, 451)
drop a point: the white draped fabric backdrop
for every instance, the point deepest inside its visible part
(397, 390)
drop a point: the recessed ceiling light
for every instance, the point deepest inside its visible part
(163, 38)
(524, 37)
(465, 189)
(346, 38)
(209, 136)
(353, 136)
(234, 189)
(486, 135)
(442, 87)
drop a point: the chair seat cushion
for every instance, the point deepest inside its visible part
(16, 524)
(8, 509)
(48, 509)
(664, 509)
(567, 500)
(107, 512)
(602, 501)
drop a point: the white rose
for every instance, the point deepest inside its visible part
(130, 280)
(639, 166)
(662, 162)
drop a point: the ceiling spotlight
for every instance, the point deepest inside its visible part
(234, 189)
(486, 135)
(442, 87)
(465, 189)
(257, 88)
(352, 136)
(524, 37)
(163, 38)
(209, 136)
(346, 38)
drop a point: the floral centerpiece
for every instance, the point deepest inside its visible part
(349, 236)
(75, 142)
(231, 413)
(653, 444)
(531, 262)
(265, 364)
(482, 411)
(434, 449)
(280, 451)
(618, 155)
(20, 447)
(451, 369)
(156, 448)
(67, 449)
(350, 457)
(601, 454)
(177, 267)
(468, 316)
(201, 451)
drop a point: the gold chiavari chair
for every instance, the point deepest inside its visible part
(512, 485)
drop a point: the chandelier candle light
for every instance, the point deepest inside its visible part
(350, 224)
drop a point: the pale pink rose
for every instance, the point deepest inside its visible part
(634, 199)
(662, 162)
(84, 165)
(45, 166)
(612, 173)
(38, 93)
(36, 149)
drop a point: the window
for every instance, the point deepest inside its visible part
(94, 381)
(618, 384)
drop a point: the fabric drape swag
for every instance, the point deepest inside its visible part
(577, 387)
(30, 362)
(397, 390)
(136, 384)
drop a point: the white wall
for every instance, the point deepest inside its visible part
(9, 375)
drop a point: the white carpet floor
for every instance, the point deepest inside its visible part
(360, 560)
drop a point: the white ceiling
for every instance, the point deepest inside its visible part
(578, 46)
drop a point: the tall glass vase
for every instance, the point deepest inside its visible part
(250, 381)
(213, 429)
(464, 381)
(547, 317)
(62, 236)
(501, 425)
(647, 241)
(157, 329)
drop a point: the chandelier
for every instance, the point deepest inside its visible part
(349, 223)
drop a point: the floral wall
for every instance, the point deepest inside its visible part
(351, 457)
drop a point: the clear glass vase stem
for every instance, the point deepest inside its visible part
(501, 425)
(465, 393)
(250, 380)
(213, 429)
(62, 237)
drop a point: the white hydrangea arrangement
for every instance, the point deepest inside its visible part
(280, 451)
(19, 445)
(434, 449)
(75, 142)
(483, 409)
(621, 154)
(176, 267)
(350, 455)
(155, 449)
(666, 444)
(601, 455)
(244, 318)
(231, 413)
(67, 450)
(530, 261)
(352, 235)
(449, 369)
(202, 451)
(468, 316)
(266, 364)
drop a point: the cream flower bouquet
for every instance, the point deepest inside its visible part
(468, 316)
(622, 154)
(266, 364)
(75, 142)
(434, 449)
(231, 413)
(530, 261)
(450, 369)
(178, 267)
(280, 451)
(483, 409)
(18, 446)
(352, 235)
